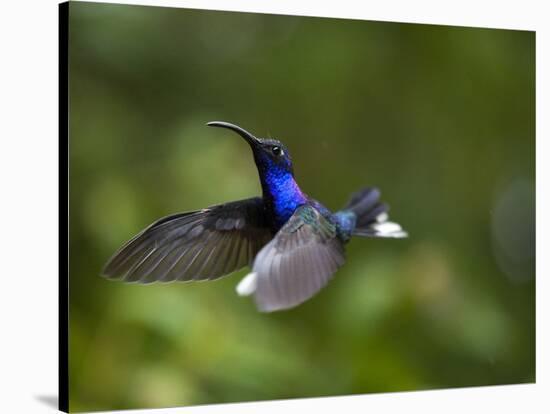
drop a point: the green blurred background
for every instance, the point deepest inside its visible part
(442, 119)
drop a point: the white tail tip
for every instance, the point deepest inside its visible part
(247, 286)
(387, 227)
(382, 217)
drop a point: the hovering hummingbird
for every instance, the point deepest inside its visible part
(292, 242)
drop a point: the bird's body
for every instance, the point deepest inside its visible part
(293, 243)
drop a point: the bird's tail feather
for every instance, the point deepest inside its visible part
(372, 215)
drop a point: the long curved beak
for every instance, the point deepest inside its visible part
(251, 139)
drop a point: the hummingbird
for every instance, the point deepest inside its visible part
(292, 243)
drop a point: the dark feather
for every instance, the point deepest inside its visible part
(367, 206)
(363, 199)
(199, 245)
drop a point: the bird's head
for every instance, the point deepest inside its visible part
(270, 154)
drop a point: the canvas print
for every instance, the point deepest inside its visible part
(270, 207)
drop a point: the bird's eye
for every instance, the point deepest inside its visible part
(276, 150)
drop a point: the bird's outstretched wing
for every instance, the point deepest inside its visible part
(197, 245)
(296, 264)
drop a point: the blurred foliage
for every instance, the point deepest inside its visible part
(442, 119)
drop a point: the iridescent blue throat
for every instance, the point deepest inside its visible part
(282, 194)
